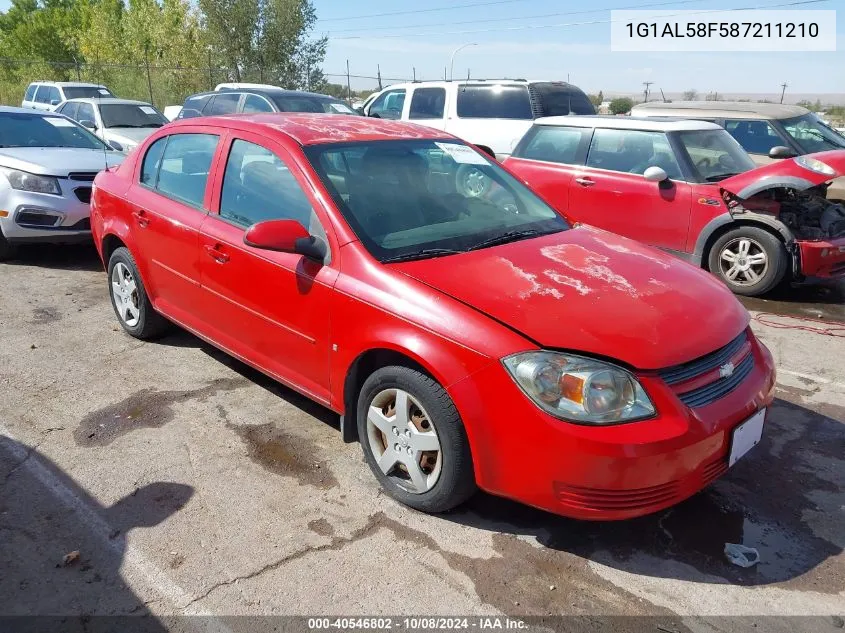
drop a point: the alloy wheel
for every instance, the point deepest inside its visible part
(124, 290)
(743, 261)
(474, 182)
(403, 441)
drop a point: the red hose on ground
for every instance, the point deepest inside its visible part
(823, 326)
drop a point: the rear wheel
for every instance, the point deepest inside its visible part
(750, 260)
(414, 441)
(129, 299)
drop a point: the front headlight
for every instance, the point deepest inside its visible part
(24, 181)
(579, 389)
(814, 164)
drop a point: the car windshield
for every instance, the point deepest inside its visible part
(812, 135)
(311, 103)
(413, 199)
(86, 92)
(33, 130)
(130, 115)
(714, 154)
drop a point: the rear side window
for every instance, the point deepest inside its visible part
(184, 168)
(559, 99)
(223, 104)
(632, 152)
(254, 103)
(494, 102)
(427, 103)
(30, 92)
(152, 161)
(41, 95)
(565, 145)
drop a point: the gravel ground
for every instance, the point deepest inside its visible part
(191, 485)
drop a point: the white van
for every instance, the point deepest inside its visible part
(492, 114)
(46, 95)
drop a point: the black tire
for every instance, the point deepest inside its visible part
(7, 250)
(150, 324)
(761, 241)
(456, 482)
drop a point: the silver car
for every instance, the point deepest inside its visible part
(47, 167)
(122, 123)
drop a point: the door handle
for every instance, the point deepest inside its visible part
(141, 218)
(585, 182)
(217, 255)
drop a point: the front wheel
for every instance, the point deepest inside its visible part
(129, 298)
(414, 441)
(750, 260)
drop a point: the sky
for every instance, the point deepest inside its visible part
(426, 39)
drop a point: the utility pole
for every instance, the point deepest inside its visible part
(210, 75)
(783, 92)
(378, 72)
(348, 83)
(645, 92)
(414, 68)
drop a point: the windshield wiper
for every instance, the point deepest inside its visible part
(510, 236)
(423, 254)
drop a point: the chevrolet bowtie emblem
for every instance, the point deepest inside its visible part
(726, 370)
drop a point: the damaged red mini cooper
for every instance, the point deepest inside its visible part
(689, 188)
(468, 335)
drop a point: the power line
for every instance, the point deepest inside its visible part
(430, 10)
(568, 24)
(511, 19)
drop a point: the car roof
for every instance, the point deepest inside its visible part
(14, 110)
(656, 124)
(318, 129)
(262, 91)
(476, 82)
(726, 109)
(107, 100)
(69, 84)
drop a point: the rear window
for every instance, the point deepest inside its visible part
(559, 99)
(495, 101)
(85, 92)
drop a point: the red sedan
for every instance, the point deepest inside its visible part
(468, 338)
(689, 188)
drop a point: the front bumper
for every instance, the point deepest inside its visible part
(38, 217)
(603, 473)
(822, 258)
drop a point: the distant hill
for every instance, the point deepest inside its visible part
(827, 99)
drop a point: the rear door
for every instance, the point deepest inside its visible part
(610, 191)
(270, 308)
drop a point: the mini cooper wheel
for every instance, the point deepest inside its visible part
(129, 299)
(414, 441)
(750, 260)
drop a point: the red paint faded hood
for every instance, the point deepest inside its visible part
(595, 292)
(789, 172)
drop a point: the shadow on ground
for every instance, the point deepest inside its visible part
(58, 256)
(61, 551)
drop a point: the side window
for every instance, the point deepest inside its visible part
(756, 137)
(185, 165)
(223, 104)
(53, 94)
(69, 109)
(30, 92)
(86, 113)
(41, 95)
(632, 152)
(152, 161)
(389, 105)
(254, 103)
(427, 103)
(555, 144)
(258, 186)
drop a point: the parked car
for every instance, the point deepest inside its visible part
(48, 163)
(46, 95)
(465, 340)
(171, 112)
(122, 123)
(491, 114)
(252, 100)
(767, 131)
(689, 188)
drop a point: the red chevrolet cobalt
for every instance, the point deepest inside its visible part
(468, 334)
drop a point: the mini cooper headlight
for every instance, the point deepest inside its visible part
(24, 181)
(579, 389)
(814, 164)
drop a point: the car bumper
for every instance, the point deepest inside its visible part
(604, 473)
(822, 258)
(36, 217)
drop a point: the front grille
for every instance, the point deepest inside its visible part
(715, 390)
(685, 371)
(82, 176)
(31, 218)
(633, 499)
(84, 194)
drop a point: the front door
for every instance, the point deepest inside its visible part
(610, 191)
(270, 308)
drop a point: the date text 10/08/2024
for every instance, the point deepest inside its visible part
(417, 623)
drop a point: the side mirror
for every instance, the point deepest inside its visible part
(88, 124)
(655, 174)
(285, 236)
(54, 102)
(781, 151)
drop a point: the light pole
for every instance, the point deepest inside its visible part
(452, 59)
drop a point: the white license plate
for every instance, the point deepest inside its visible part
(746, 436)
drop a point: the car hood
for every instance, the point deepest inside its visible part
(590, 291)
(57, 161)
(128, 135)
(785, 173)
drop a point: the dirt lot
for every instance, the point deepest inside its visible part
(190, 484)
